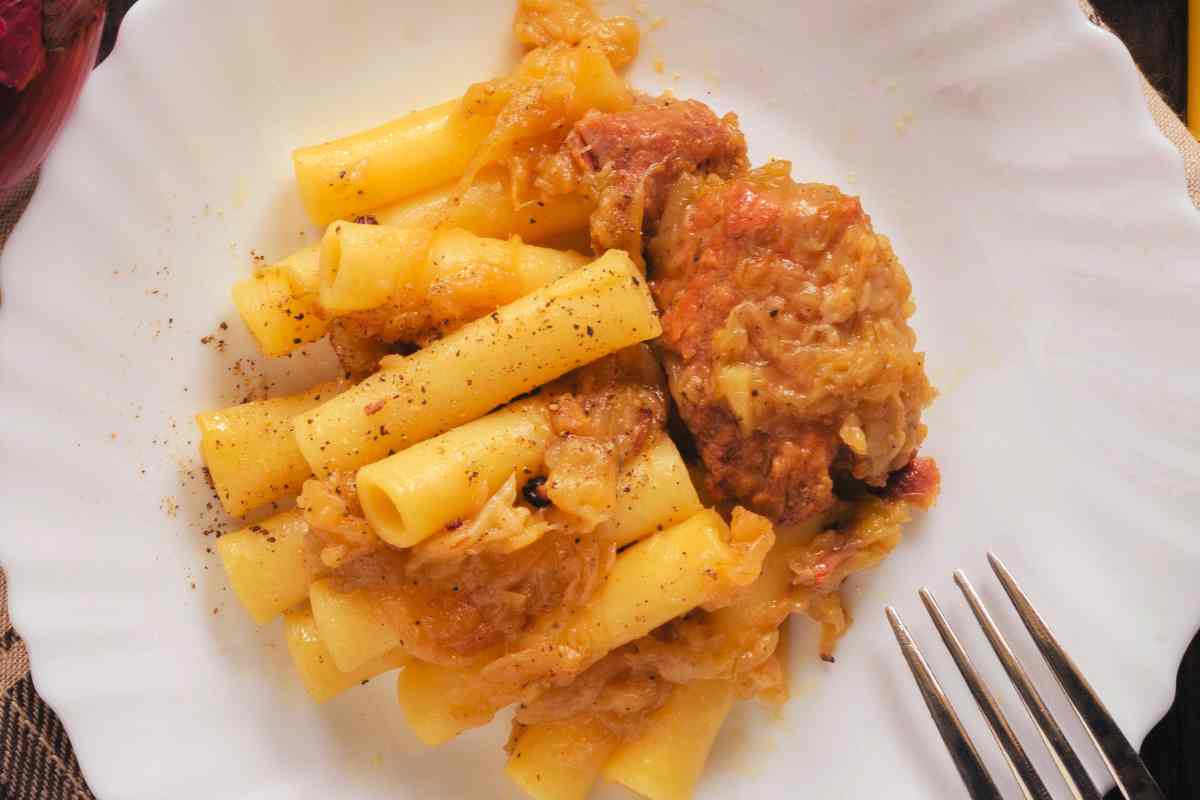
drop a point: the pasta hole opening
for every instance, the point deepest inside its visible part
(382, 513)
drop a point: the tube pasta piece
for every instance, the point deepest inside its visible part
(654, 581)
(487, 208)
(560, 760)
(440, 702)
(651, 583)
(366, 266)
(271, 564)
(350, 176)
(351, 624)
(313, 661)
(303, 269)
(417, 492)
(279, 303)
(666, 760)
(654, 492)
(250, 450)
(583, 316)
(452, 275)
(549, 91)
(535, 267)
(471, 275)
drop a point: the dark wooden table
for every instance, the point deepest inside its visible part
(1156, 33)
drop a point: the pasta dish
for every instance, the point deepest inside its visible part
(614, 404)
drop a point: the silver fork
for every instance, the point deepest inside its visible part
(1127, 769)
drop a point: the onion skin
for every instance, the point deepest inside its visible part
(31, 119)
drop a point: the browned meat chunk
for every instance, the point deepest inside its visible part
(786, 338)
(917, 484)
(630, 159)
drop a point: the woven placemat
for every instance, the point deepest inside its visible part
(36, 759)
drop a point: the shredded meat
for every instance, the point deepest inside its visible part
(858, 535)
(482, 582)
(452, 616)
(501, 526)
(614, 409)
(632, 681)
(357, 351)
(917, 483)
(739, 642)
(540, 665)
(629, 159)
(619, 691)
(786, 340)
(335, 518)
(362, 339)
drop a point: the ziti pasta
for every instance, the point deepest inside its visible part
(594, 486)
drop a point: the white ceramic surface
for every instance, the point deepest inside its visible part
(1002, 144)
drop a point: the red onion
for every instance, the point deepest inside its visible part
(47, 50)
(22, 54)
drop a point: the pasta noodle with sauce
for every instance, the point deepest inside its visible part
(658, 465)
(321, 676)
(429, 281)
(251, 452)
(366, 266)
(417, 492)
(665, 762)
(350, 176)
(271, 565)
(593, 487)
(668, 574)
(487, 208)
(582, 316)
(279, 302)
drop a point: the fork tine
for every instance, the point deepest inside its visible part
(1122, 760)
(1056, 741)
(962, 750)
(1030, 782)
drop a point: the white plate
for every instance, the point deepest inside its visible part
(1003, 145)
